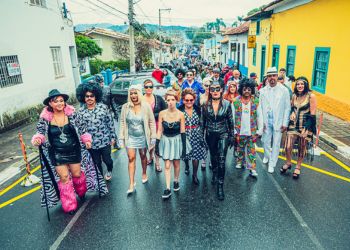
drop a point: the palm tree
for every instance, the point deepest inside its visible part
(234, 24)
(218, 23)
(210, 26)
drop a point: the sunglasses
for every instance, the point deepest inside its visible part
(189, 100)
(89, 96)
(148, 87)
(207, 85)
(215, 89)
(189, 75)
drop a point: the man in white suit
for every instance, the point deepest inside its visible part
(275, 104)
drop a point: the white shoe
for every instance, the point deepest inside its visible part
(271, 169)
(239, 166)
(265, 160)
(253, 173)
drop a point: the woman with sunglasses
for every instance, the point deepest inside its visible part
(157, 104)
(231, 92)
(217, 122)
(137, 132)
(193, 132)
(171, 140)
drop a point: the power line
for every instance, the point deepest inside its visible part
(105, 9)
(112, 7)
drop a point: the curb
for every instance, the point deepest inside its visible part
(337, 145)
(16, 168)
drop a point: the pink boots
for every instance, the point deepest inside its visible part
(67, 195)
(80, 185)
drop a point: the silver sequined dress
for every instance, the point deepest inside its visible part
(137, 138)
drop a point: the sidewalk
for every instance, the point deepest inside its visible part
(335, 133)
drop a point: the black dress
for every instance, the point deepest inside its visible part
(64, 149)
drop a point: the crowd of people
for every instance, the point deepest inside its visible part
(204, 113)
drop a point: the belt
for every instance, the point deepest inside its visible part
(191, 127)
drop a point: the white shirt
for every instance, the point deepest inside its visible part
(245, 120)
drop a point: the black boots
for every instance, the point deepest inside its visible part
(220, 191)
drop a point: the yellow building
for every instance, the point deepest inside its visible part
(309, 38)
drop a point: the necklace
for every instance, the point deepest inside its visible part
(63, 137)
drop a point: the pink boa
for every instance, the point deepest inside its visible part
(86, 138)
(38, 137)
(48, 116)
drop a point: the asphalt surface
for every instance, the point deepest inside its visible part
(271, 212)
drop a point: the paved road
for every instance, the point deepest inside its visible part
(273, 212)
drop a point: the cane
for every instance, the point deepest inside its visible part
(98, 181)
(42, 177)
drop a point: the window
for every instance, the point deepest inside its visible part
(10, 71)
(319, 74)
(254, 56)
(41, 3)
(57, 61)
(257, 27)
(290, 60)
(275, 55)
(243, 54)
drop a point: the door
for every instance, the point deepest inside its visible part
(262, 64)
(75, 65)
(238, 55)
(275, 55)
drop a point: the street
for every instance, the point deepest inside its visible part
(273, 212)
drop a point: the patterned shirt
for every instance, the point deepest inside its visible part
(99, 124)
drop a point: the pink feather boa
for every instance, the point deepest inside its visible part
(48, 116)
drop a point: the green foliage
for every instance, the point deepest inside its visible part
(219, 22)
(97, 65)
(85, 76)
(199, 37)
(86, 47)
(168, 41)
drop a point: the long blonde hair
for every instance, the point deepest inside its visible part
(139, 95)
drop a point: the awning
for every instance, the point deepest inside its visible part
(225, 40)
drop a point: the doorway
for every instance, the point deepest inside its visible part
(262, 64)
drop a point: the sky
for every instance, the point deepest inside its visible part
(183, 12)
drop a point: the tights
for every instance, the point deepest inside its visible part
(218, 145)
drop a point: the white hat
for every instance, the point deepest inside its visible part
(136, 87)
(271, 71)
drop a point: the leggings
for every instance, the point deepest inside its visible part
(243, 143)
(102, 154)
(218, 145)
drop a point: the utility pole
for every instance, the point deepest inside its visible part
(131, 37)
(160, 25)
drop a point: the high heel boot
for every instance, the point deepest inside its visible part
(79, 184)
(67, 196)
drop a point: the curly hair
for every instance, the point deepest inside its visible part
(188, 91)
(94, 88)
(180, 70)
(306, 86)
(171, 92)
(246, 83)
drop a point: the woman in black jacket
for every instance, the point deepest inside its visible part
(157, 104)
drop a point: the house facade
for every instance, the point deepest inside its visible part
(306, 37)
(37, 54)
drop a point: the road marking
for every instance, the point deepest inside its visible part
(295, 212)
(331, 157)
(65, 232)
(313, 168)
(20, 196)
(5, 190)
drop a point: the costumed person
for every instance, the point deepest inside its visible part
(228, 75)
(166, 78)
(137, 132)
(248, 124)
(217, 79)
(231, 92)
(177, 85)
(67, 167)
(193, 84)
(158, 74)
(100, 125)
(302, 124)
(217, 122)
(194, 133)
(171, 142)
(275, 105)
(157, 104)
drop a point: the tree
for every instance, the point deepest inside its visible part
(86, 47)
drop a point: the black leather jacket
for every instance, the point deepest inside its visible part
(222, 122)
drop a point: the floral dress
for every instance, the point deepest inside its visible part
(194, 134)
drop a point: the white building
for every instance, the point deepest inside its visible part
(234, 47)
(211, 51)
(37, 53)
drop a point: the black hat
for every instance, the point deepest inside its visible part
(52, 94)
(253, 74)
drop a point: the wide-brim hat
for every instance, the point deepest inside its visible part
(54, 93)
(271, 71)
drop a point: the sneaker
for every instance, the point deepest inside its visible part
(253, 173)
(271, 169)
(239, 165)
(166, 194)
(176, 186)
(265, 160)
(108, 176)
